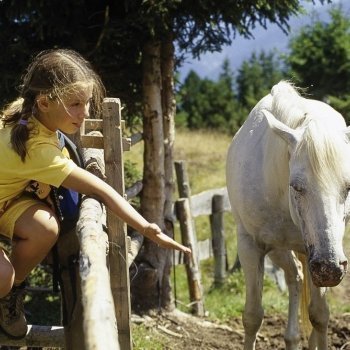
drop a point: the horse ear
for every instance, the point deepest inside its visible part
(291, 136)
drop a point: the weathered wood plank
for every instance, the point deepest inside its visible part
(204, 248)
(96, 141)
(134, 190)
(93, 124)
(97, 300)
(218, 238)
(201, 203)
(118, 255)
(98, 306)
(192, 267)
(136, 138)
(38, 336)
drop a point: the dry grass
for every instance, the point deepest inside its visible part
(205, 155)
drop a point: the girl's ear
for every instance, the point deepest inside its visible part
(42, 103)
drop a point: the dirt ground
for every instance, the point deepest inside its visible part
(191, 333)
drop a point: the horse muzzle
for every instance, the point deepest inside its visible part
(326, 272)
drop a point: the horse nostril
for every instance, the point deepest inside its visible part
(344, 264)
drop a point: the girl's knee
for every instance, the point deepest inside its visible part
(52, 232)
(37, 224)
(7, 275)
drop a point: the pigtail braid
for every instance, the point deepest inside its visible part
(17, 115)
(19, 138)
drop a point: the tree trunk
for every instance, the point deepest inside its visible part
(150, 285)
(169, 110)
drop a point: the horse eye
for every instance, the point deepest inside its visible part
(297, 187)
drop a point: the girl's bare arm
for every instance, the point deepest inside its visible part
(84, 182)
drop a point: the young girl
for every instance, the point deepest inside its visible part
(58, 91)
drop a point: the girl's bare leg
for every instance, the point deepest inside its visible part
(7, 274)
(35, 233)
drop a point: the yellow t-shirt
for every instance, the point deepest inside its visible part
(44, 161)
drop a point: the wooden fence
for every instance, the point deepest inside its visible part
(94, 264)
(213, 203)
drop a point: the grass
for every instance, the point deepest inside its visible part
(145, 338)
(205, 154)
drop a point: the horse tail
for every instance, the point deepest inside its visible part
(306, 326)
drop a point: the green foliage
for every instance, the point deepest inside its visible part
(40, 276)
(341, 104)
(208, 25)
(256, 76)
(42, 308)
(224, 104)
(131, 173)
(204, 103)
(320, 56)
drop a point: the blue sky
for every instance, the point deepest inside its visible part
(268, 39)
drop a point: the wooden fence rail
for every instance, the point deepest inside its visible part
(202, 204)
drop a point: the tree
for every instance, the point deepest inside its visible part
(256, 76)
(225, 104)
(320, 55)
(208, 104)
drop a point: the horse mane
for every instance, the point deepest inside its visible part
(322, 140)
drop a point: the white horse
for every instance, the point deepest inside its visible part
(288, 178)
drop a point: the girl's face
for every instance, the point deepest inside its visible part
(68, 114)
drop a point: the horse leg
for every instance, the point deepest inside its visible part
(252, 261)
(319, 317)
(293, 276)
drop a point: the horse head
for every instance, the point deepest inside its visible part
(319, 201)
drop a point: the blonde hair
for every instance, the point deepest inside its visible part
(55, 73)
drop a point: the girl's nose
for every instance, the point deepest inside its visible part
(87, 110)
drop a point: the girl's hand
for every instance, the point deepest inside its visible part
(153, 232)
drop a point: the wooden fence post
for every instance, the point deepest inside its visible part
(183, 183)
(119, 271)
(218, 238)
(188, 234)
(192, 266)
(99, 317)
